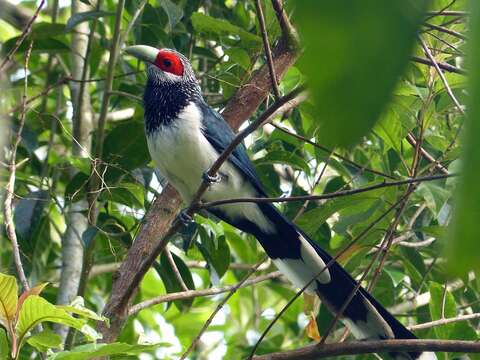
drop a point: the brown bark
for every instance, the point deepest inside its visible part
(150, 241)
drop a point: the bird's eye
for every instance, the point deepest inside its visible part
(167, 63)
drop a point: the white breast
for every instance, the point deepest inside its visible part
(182, 154)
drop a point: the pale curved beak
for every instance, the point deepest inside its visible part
(143, 52)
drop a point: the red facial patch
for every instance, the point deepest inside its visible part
(169, 62)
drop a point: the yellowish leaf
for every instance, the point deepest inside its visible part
(312, 329)
(8, 299)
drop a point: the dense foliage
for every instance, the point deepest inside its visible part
(85, 179)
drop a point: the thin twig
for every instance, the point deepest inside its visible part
(444, 321)
(190, 294)
(446, 31)
(178, 276)
(324, 196)
(447, 13)
(288, 31)
(25, 32)
(323, 148)
(10, 188)
(425, 154)
(268, 51)
(441, 65)
(219, 307)
(442, 76)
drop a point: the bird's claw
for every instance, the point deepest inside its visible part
(211, 179)
(185, 218)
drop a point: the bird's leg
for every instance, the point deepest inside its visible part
(211, 179)
(184, 217)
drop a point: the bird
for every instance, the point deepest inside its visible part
(185, 136)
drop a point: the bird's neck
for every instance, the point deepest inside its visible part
(164, 101)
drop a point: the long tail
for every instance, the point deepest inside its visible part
(300, 260)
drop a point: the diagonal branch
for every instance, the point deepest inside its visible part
(26, 31)
(190, 294)
(268, 51)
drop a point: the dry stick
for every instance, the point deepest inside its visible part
(287, 29)
(442, 76)
(22, 37)
(439, 12)
(10, 188)
(323, 148)
(268, 51)
(444, 321)
(425, 154)
(190, 294)
(446, 31)
(442, 65)
(325, 196)
(46, 91)
(172, 263)
(218, 308)
(341, 252)
(448, 13)
(313, 352)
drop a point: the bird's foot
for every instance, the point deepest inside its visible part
(211, 179)
(184, 217)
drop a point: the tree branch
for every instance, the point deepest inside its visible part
(325, 196)
(441, 65)
(268, 51)
(367, 347)
(190, 294)
(10, 188)
(22, 37)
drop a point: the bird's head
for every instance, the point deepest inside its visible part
(163, 65)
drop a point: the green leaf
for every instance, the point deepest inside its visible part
(90, 351)
(169, 278)
(76, 188)
(284, 157)
(36, 310)
(354, 55)
(453, 330)
(44, 30)
(239, 56)
(463, 238)
(125, 153)
(216, 251)
(221, 27)
(4, 347)
(311, 220)
(77, 306)
(45, 340)
(8, 299)
(85, 16)
(28, 213)
(42, 45)
(174, 12)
